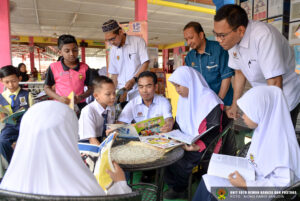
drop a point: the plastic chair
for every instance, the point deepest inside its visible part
(291, 197)
(15, 196)
(208, 153)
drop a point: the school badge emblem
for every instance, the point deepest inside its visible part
(234, 55)
(193, 64)
(139, 114)
(118, 58)
(251, 160)
(80, 77)
(22, 101)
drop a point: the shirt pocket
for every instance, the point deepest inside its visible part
(254, 70)
(133, 58)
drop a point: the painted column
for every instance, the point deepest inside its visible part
(31, 53)
(83, 53)
(141, 11)
(165, 54)
(5, 51)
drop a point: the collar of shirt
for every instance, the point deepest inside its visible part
(7, 93)
(246, 38)
(140, 100)
(99, 107)
(66, 68)
(207, 49)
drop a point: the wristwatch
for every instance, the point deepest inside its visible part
(135, 79)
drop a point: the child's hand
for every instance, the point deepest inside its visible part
(108, 131)
(193, 147)
(166, 128)
(64, 99)
(118, 174)
(237, 180)
(77, 99)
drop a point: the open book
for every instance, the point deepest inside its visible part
(98, 159)
(160, 141)
(143, 128)
(184, 137)
(222, 165)
(11, 118)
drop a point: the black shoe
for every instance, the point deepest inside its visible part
(148, 176)
(172, 195)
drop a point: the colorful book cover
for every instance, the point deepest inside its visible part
(11, 118)
(89, 154)
(104, 163)
(150, 127)
(71, 97)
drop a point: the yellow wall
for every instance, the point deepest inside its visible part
(172, 94)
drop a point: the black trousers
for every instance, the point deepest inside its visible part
(177, 174)
(294, 114)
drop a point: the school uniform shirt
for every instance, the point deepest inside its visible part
(91, 120)
(68, 79)
(264, 53)
(136, 110)
(127, 60)
(7, 93)
(274, 151)
(213, 65)
(47, 161)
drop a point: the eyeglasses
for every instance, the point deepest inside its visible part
(111, 39)
(222, 35)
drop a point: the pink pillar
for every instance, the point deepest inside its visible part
(31, 52)
(141, 10)
(39, 57)
(5, 54)
(23, 58)
(83, 53)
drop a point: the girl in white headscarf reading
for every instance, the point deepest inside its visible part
(274, 151)
(47, 160)
(198, 109)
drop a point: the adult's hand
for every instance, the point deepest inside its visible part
(118, 174)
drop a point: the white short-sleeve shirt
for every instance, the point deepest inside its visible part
(264, 53)
(127, 60)
(91, 120)
(138, 111)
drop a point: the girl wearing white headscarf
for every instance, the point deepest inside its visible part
(47, 160)
(274, 150)
(198, 109)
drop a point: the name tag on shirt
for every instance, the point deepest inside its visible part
(23, 101)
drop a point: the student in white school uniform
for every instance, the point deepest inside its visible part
(148, 104)
(274, 151)
(259, 53)
(128, 57)
(198, 109)
(95, 116)
(47, 161)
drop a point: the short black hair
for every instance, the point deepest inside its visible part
(196, 25)
(148, 74)
(117, 31)
(99, 80)
(20, 65)
(8, 70)
(235, 16)
(65, 39)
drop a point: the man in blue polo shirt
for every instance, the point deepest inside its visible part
(210, 59)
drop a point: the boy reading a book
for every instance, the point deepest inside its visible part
(95, 116)
(68, 75)
(274, 152)
(12, 99)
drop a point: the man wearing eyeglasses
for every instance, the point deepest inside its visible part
(210, 59)
(128, 57)
(259, 53)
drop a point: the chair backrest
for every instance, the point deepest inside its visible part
(15, 196)
(210, 148)
(290, 196)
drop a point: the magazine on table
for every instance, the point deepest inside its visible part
(184, 137)
(147, 127)
(160, 141)
(11, 118)
(222, 165)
